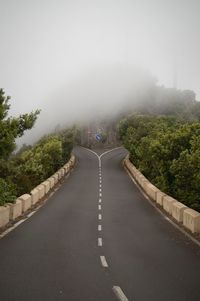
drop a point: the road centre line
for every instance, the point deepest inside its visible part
(100, 156)
(100, 242)
(99, 207)
(99, 216)
(119, 293)
(100, 194)
(103, 261)
(99, 228)
(99, 200)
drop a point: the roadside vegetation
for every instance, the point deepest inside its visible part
(22, 171)
(167, 151)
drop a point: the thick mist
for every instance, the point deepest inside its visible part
(79, 60)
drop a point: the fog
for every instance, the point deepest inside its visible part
(82, 59)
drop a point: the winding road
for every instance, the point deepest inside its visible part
(98, 239)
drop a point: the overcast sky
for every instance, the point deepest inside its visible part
(51, 49)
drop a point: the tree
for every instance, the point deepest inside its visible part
(167, 151)
(12, 127)
(7, 192)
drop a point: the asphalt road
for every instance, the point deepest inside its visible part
(98, 237)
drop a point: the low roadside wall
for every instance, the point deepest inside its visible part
(184, 215)
(11, 212)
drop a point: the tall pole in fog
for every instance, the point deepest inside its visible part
(88, 136)
(175, 74)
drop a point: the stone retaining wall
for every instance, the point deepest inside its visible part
(11, 212)
(187, 217)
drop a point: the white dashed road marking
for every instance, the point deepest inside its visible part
(100, 216)
(99, 207)
(100, 242)
(103, 261)
(99, 228)
(119, 293)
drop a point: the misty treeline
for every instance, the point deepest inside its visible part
(167, 151)
(159, 100)
(22, 171)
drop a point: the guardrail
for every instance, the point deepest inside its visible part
(182, 214)
(13, 211)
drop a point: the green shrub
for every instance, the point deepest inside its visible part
(167, 152)
(7, 192)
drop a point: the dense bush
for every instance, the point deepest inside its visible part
(30, 167)
(12, 127)
(7, 192)
(34, 165)
(21, 172)
(167, 152)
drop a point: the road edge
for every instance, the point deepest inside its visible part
(159, 209)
